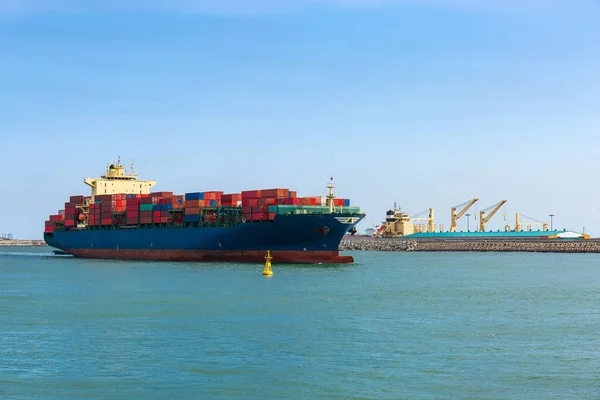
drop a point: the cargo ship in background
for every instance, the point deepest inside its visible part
(123, 219)
(422, 226)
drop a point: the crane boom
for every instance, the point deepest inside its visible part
(483, 219)
(429, 219)
(455, 217)
(519, 226)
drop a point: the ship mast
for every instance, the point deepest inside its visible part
(330, 196)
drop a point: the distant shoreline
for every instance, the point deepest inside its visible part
(21, 243)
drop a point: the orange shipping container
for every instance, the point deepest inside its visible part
(194, 203)
(192, 210)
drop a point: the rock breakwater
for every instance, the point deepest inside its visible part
(21, 243)
(480, 245)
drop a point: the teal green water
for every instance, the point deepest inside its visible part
(391, 326)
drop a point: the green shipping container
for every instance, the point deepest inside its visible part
(146, 207)
(288, 209)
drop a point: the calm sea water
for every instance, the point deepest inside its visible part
(391, 326)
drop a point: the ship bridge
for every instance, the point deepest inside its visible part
(117, 181)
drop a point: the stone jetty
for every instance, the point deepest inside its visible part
(480, 245)
(21, 243)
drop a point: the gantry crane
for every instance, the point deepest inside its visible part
(455, 217)
(483, 219)
(430, 220)
(519, 227)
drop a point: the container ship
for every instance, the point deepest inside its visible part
(124, 219)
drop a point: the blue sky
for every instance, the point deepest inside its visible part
(424, 103)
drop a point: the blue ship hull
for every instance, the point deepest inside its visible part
(296, 238)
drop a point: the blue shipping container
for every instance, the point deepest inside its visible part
(213, 203)
(346, 202)
(192, 218)
(194, 196)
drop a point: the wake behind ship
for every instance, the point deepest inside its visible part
(123, 219)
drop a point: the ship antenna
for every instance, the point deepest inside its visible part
(331, 196)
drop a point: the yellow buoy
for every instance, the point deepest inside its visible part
(268, 271)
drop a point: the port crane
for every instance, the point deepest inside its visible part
(519, 226)
(429, 219)
(483, 219)
(454, 216)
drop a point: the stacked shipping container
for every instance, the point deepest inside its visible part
(167, 208)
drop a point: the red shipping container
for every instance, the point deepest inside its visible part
(146, 220)
(251, 194)
(192, 210)
(231, 197)
(149, 200)
(164, 220)
(250, 202)
(258, 216)
(266, 201)
(293, 194)
(309, 201)
(76, 199)
(106, 221)
(291, 201)
(103, 197)
(69, 223)
(156, 214)
(132, 213)
(274, 193)
(57, 218)
(131, 221)
(161, 194)
(49, 228)
(272, 216)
